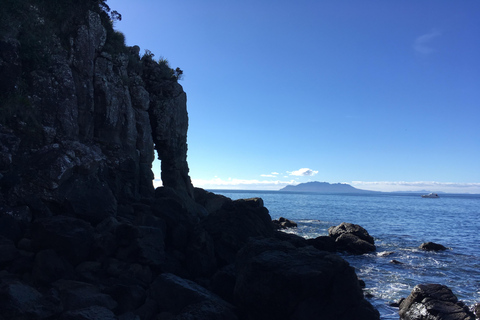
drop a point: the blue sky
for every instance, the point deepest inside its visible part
(383, 95)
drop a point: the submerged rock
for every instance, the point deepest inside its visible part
(433, 302)
(283, 223)
(432, 246)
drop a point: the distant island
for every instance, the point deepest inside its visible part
(324, 187)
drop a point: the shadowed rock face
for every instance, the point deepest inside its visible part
(92, 129)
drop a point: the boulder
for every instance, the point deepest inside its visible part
(187, 300)
(275, 280)
(71, 238)
(234, 223)
(209, 200)
(21, 301)
(48, 266)
(89, 313)
(352, 238)
(78, 295)
(432, 246)
(128, 297)
(433, 302)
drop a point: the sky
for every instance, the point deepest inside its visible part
(380, 94)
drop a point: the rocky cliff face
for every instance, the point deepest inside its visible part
(83, 233)
(92, 113)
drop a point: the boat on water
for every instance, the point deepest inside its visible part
(430, 195)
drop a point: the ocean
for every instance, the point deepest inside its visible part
(399, 223)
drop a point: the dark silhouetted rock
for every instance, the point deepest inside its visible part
(70, 237)
(179, 296)
(223, 282)
(432, 246)
(13, 222)
(21, 301)
(209, 200)
(352, 238)
(78, 295)
(128, 297)
(297, 241)
(433, 302)
(283, 223)
(324, 243)
(89, 313)
(231, 226)
(48, 267)
(275, 280)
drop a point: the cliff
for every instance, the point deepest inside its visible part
(83, 233)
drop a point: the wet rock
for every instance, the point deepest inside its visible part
(476, 310)
(385, 253)
(275, 280)
(432, 246)
(283, 223)
(435, 302)
(352, 238)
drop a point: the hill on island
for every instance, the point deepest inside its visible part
(324, 187)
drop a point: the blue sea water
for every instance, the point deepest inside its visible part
(399, 223)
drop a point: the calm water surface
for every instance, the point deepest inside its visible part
(399, 223)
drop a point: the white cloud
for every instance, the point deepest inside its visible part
(268, 175)
(275, 173)
(241, 184)
(423, 44)
(450, 187)
(303, 172)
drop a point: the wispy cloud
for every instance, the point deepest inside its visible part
(303, 172)
(451, 187)
(423, 44)
(271, 175)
